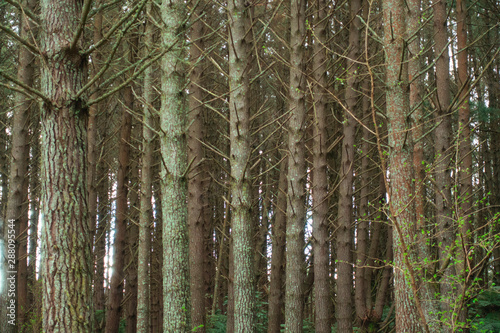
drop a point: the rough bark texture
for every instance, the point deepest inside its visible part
(198, 177)
(17, 201)
(345, 212)
(66, 234)
(173, 114)
(322, 297)
(146, 209)
(295, 267)
(239, 134)
(400, 166)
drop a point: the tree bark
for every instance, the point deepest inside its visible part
(443, 160)
(173, 114)
(66, 233)
(198, 176)
(345, 213)
(322, 297)
(295, 261)
(146, 208)
(240, 41)
(115, 307)
(400, 169)
(275, 315)
(17, 201)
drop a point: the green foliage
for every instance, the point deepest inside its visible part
(485, 312)
(483, 113)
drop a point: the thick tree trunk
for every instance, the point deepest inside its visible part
(295, 267)
(173, 115)
(239, 134)
(408, 317)
(322, 297)
(67, 292)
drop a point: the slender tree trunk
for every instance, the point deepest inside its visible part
(416, 110)
(93, 183)
(239, 134)
(173, 115)
(275, 315)
(465, 155)
(157, 260)
(132, 236)
(197, 186)
(17, 201)
(34, 297)
(67, 292)
(295, 267)
(408, 317)
(146, 209)
(443, 159)
(103, 208)
(345, 213)
(115, 308)
(322, 297)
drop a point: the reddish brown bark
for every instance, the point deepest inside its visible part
(198, 178)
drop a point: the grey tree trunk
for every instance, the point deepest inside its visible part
(240, 41)
(322, 295)
(295, 261)
(146, 209)
(173, 115)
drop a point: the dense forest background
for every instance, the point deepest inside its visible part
(250, 166)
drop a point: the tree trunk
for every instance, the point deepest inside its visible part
(132, 235)
(465, 155)
(400, 170)
(198, 177)
(345, 213)
(239, 133)
(322, 297)
(275, 315)
(115, 308)
(146, 208)
(17, 201)
(67, 291)
(173, 114)
(295, 261)
(443, 160)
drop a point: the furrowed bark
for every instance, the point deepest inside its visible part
(66, 233)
